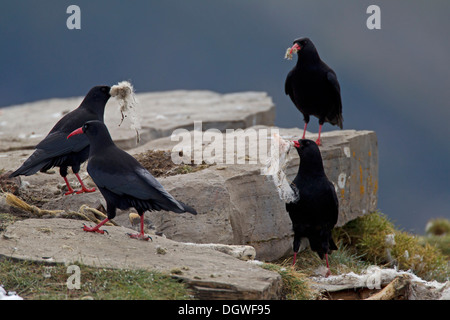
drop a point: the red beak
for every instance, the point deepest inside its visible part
(75, 132)
(296, 47)
(296, 144)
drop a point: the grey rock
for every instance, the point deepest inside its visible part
(160, 113)
(210, 273)
(238, 205)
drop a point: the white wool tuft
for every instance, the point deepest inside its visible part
(276, 163)
(289, 53)
(124, 93)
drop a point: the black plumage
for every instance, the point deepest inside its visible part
(315, 213)
(313, 87)
(122, 180)
(55, 150)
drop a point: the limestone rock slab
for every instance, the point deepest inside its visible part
(239, 205)
(210, 273)
(23, 126)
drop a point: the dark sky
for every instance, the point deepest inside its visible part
(393, 80)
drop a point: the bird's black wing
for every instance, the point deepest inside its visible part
(332, 206)
(56, 142)
(129, 178)
(336, 90)
(54, 145)
(288, 89)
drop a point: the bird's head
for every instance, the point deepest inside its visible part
(96, 99)
(99, 93)
(300, 46)
(90, 128)
(306, 148)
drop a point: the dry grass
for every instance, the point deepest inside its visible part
(160, 164)
(295, 283)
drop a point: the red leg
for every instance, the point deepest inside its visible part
(295, 258)
(318, 142)
(141, 235)
(83, 187)
(68, 187)
(328, 266)
(96, 228)
(304, 130)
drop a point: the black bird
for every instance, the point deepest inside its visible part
(122, 180)
(56, 151)
(313, 86)
(315, 213)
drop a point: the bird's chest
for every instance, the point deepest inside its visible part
(311, 191)
(309, 85)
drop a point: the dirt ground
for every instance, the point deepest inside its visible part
(160, 163)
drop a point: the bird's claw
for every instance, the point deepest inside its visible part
(139, 236)
(69, 192)
(94, 229)
(83, 190)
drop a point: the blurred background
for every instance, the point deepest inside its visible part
(394, 81)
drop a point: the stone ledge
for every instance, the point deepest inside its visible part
(238, 205)
(210, 273)
(23, 126)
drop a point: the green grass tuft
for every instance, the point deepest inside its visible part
(49, 282)
(371, 237)
(438, 227)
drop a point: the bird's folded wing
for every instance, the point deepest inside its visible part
(56, 144)
(138, 183)
(287, 84)
(332, 80)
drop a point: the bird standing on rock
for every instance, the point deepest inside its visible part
(313, 86)
(56, 151)
(122, 180)
(315, 212)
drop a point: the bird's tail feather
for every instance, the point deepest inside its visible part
(336, 120)
(188, 208)
(32, 165)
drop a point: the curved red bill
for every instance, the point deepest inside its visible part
(295, 47)
(296, 144)
(75, 132)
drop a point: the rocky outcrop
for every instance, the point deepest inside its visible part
(210, 273)
(239, 205)
(236, 204)
(160, 113)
